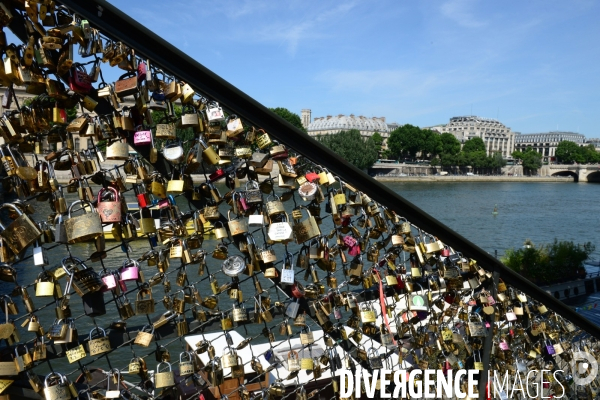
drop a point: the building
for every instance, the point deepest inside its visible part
(329, 125)
(546, 143)
(593, 141)
(496, 136)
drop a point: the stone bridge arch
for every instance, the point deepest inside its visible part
(593, 177)
(580, 172)
(567, 173)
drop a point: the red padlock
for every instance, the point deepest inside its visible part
(311, 176)
(215, 176)
(143, 200)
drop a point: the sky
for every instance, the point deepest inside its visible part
(532, 65)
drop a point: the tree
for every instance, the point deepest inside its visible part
(589, 154)
(474, 144)
(450, 144)
(351, 146)
(378, 140)
(406, 140)
(545, 264)
(497, 161)
(448, 160)
(432, 144)
(568, 152)
(290, 117)
(532, 160)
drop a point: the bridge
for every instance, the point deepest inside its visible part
(580, 172)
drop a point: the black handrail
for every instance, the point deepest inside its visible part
(116, 24)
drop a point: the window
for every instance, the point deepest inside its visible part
(77, 144)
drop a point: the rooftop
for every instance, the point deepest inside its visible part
(346, 122)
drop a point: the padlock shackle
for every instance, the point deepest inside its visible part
(104, 189)
(96, 329)
(92, 208)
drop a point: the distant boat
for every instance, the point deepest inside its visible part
(495, 212)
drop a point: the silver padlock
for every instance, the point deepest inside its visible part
(40, 258)
(60, 231)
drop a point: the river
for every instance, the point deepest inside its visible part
(539, 211)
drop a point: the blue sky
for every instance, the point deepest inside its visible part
(533, 64)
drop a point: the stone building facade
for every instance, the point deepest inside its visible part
(546, 143)
(496, 136)
(333, 124)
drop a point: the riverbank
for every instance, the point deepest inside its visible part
(474, 178)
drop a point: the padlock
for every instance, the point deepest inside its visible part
(21, 232)
(214, 113)
(44, 286)
(164, 379)
(229, 358)
(113, 390)
(367, 313)
(214, 371)
(109, 211)
(186, 367)
(236, 226)
(144, 303)
(58, 390)
(99, 345)
(144, 338)
(84, 280)
(287, 272)
(84, 227)
(293, 361)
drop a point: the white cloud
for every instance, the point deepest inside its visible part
(309, 24)
(460, 12)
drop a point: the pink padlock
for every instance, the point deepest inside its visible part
(163, 203)
(142, 137)
(445, 252)
(130, 271)
(350, 241)
(122, 283)
(503, 345)
(354, 250)
(244, 203)
(109, 280)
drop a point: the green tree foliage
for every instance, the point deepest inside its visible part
(568, 152)
(498, 161)
(473, 145)
(589, 154)
(290, 117)
(531, 159)
(448, 160)
(432, 143)
(559, 261)
(377, 138)
(450, 144)
(406, 141)
(351, 146)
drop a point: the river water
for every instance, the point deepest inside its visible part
(540, 211)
